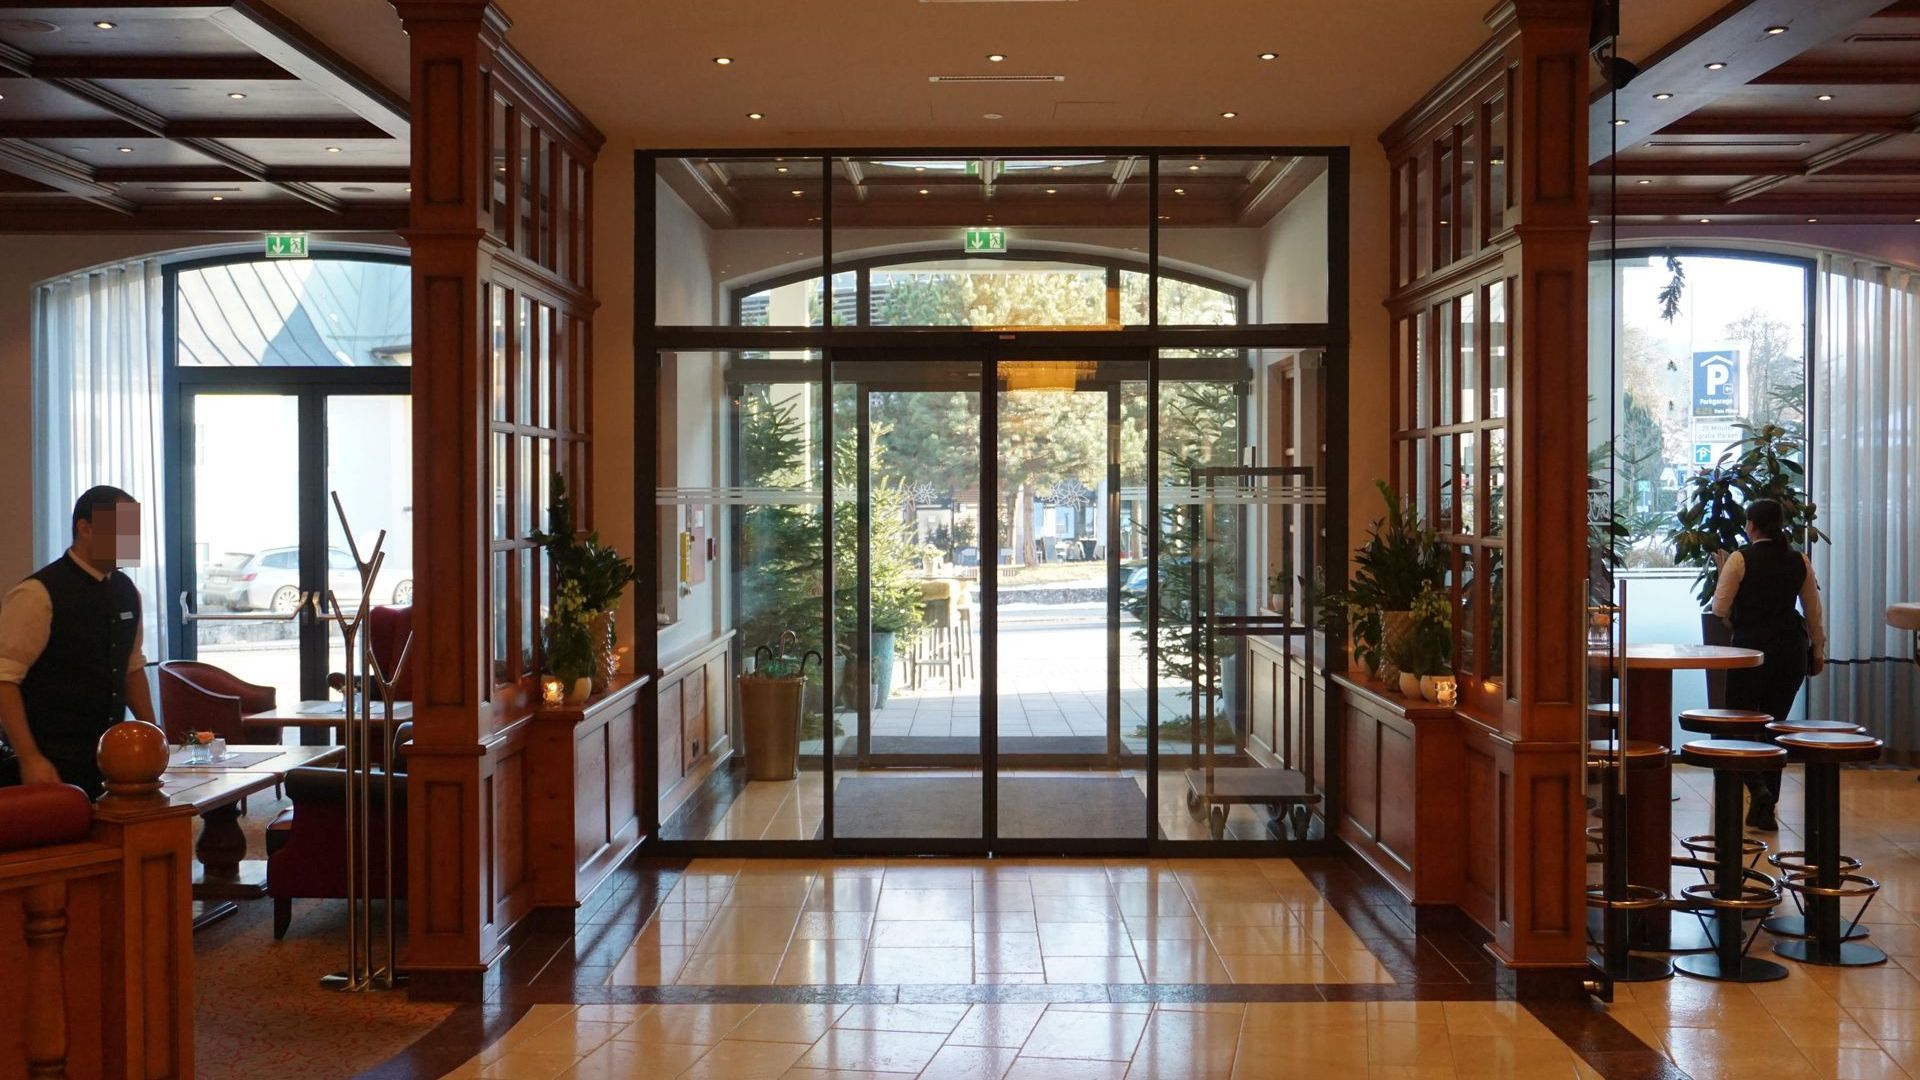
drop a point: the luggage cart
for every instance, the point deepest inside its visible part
(1286, 790)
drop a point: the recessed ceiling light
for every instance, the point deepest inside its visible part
(1824, 97)
(1228, 115)
(125, 149)
(919, 168)
(1444, 221)
(996, 57)
(1193, 168)
(991, 116)
(1179, 191)
(1643, 181)
(333, 149)
(1811, 220)
(723, 61)
(1716, 65)
(1662, 95)
(1050, 191)
(1269, 56)
(799, 191)
(409, 189)
(219, 198)
(237, 96)
(104, 24)
(1776, 29)
(779, 168)
(1706, 221)
(923, 191)
(1619, 121)
(1593, 221)
(756, 116)
(1058, 168)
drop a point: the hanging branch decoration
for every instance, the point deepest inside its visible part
(922, 493)
(1069, 492)
(1670, 293)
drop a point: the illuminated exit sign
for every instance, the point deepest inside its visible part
(286, 245)
(986, 241)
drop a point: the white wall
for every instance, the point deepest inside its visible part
(1293, 281)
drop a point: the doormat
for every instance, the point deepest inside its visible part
(948, 807)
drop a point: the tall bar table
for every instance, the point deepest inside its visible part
(1649, 704)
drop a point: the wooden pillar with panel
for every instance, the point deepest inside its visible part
(502, 292)
(1489, 309)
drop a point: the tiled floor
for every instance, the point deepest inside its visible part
(1029, 1041)
(1257, 921)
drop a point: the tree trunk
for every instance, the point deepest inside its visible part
(1022, 528)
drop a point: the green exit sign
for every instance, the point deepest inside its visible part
(286, 245)
(986, 241)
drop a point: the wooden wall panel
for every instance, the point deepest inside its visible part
(1482, 862)
(1361, 755)
(1398, 812)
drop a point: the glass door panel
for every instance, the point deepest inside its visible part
(370, 466)
(907, 557)
(1067, 768)
(245, 534)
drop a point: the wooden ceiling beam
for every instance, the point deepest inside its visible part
(1773, 204)
(168, 68)
(305, 130)
(62, 173)
(250, 217)
(1122, 172)
(1284, 181)
(1800, 73)
(1825, 160)
(1719, 166)
(1838, 124)
(855, 176)
(1735, 37)
(281, 41)
(279, 174)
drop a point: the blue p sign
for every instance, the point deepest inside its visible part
(1702, 453)
(1716, 383)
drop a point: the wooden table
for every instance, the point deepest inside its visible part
(321, 714)
(215, 791)
(1649, 713)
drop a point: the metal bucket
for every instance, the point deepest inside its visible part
(770, 711)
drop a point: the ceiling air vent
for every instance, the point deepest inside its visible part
(996, 1)
(1745, 144)
(991, 78)
(1883, 39)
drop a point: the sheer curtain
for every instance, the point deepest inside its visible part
(1866, 480)
(97, 418)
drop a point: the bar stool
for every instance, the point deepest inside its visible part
(1726, 723)
(1821, 874)
(1795, 863)
(1695, 936)
(1602, 717)
(1616, 899)
(1736, 888)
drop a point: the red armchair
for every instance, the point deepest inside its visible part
(36, 815)
(201, 697)
(307, 842)
(389, 628)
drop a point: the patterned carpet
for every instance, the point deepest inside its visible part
(259, 1010)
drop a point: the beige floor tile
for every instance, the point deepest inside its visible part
(1004, 1026)
(1076, 909)
(1286, 940)
(1504, 1019)
(1407, 1012)
(844, 894)
(1215, 915)
(957, 876)
(970, 1063)
(1852, 1063)
(923, 933)
(1824, 1031)
(733, 1060)
(822, 963)
(649, 966)
(1178, 960)
(1006, 952)
(1871, 988)
(695, 1025)
(925, 1019)
(1412, 1072)
(1093, 969)
(1002, 896)
(571, 1036)
(798, 1073)
(1187, 1044)
(1396, 1043)
(731, 933)
(1501, 1058)
(925, 904)
(1013, 977)
(1311, 968)
(1085, 939)
(1888, 1025)
(1905, 1053)
(1152, 900)
(1077, 883)
(855, 1049)
(833, 925)
(677, 932)
(624, 1061)
(1026, 1068)
(1708, 1054)
(1263, 1019)
(519, 1065)
(618, 1014)
(1164, 927)
(1097, 1036)
(730, 969)
(787, 896)
(918, 966)
(1004, 922)
(1312, 1052)
(787, 1023)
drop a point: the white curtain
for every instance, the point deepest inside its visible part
(97, 413)
(1866, 480)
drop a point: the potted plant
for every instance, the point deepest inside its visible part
(569, 642)
(1762, 465)
(589, 577)
(1401, 558)
(1426, 652)
(772, 706)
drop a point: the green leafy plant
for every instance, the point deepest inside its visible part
(1764, 464)
(1428, 649)
(1401, 559)
(1669, 295)
(569, 635)
(599, 573)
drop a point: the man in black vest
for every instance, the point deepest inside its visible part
(70, 657)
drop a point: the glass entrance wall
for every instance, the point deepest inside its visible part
(1031, 558)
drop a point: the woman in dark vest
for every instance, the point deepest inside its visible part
(1756, 595)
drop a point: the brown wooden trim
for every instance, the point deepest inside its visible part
(672, 670)
(161, 68)
(384, 218)
(280, 174)
(284, 43)
(328, 130)
(1472, 79)
(62, 173)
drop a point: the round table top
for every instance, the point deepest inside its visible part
(1671, 657)
(1904, 616)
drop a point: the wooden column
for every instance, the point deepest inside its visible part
(449, 919)
(1542, 924)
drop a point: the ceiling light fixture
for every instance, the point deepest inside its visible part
(1059, 168)
(1193, 168)
(994, 57)
(1663, 95)
(1593, 221)
(1643, 181)
(126, 149)
(237, 96)
(1706, 221)
(991, 116)
(780, 168)
(1811, 220)
(1824, 97)
(1050, 191)
(723, 61)
(1269, 56)
(919, 168)
(756, 116)
(1179, 191)
(219, 198)
(104, 24)
(333, 149)
(1619, 121)
(1228, 115)
(799, 191)
(1716, 65)
(924, 191)
(1776, 30)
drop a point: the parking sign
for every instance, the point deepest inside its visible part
(1702, 453)
(1716, 382)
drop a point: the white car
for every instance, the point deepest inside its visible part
(270, 581)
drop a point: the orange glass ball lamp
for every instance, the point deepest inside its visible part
(133, 754)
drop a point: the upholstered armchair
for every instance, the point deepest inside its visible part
(201, 697)
(36, 815)
(307, 842)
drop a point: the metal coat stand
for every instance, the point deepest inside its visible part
(362, 972)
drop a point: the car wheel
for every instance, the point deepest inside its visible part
(286, 600)
(403, 594)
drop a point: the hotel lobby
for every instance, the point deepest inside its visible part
(1128, 597)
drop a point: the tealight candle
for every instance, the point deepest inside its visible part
(551, 691)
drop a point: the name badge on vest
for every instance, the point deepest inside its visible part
(125, 615)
